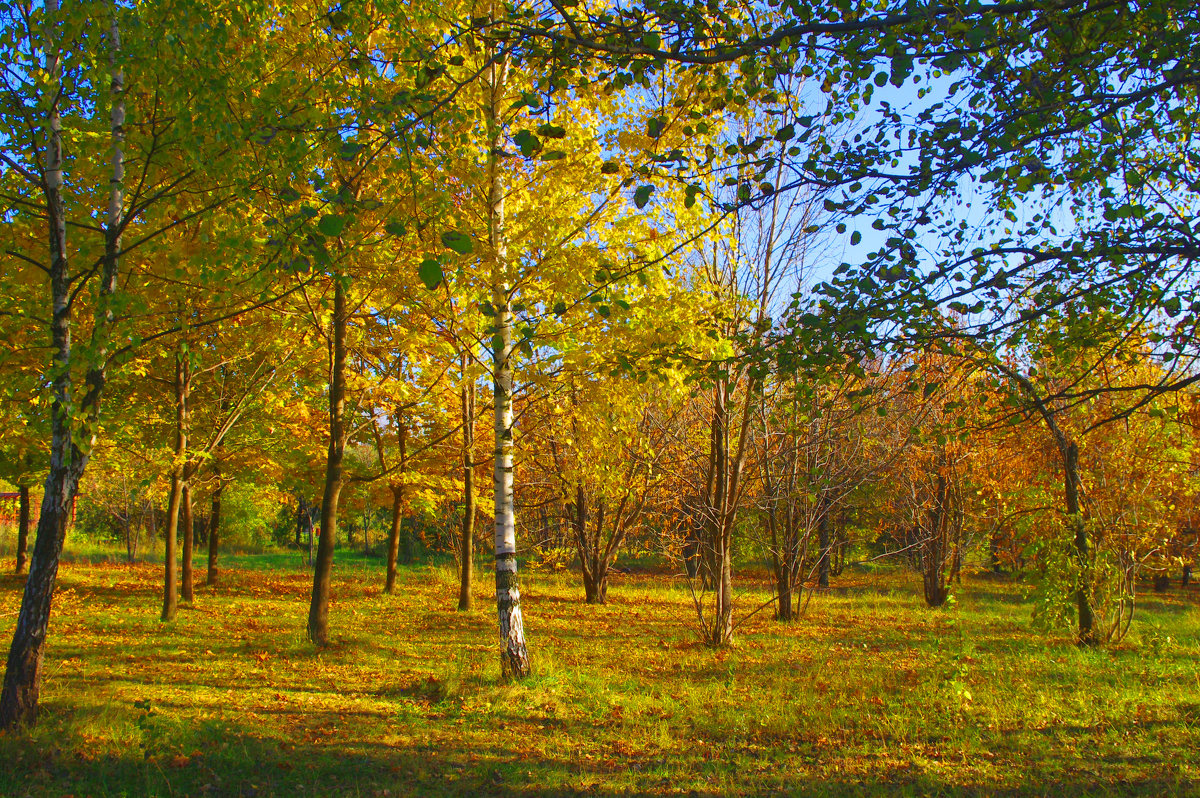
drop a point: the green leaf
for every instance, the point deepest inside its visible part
(855, 238)
(457, 241)
(560, 308)
(642, 195)
(430, 272)
(655, 126)
(553, 155)
(785, 133)
(549, 131)
(331, 226)
(528, 143)
(609, 168)
(1172, 306)
(395, 228)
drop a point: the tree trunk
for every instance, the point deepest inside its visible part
(393, 546)
(466, 554)
(514, 658)
(301, 520)
(186, 591)
(178, 476)
(1083, 600)
(22, 528)
(214, 527)
(824, 542)
(318, 612)
(22, 676)
(721, 522)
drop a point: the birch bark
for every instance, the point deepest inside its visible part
(514, 657)
(71, 440)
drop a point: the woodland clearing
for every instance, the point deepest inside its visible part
(869, 691)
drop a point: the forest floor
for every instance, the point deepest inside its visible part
(869, 692)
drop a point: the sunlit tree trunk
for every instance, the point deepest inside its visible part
(466, 554)
(68, 459)
(721, 632)
(318, 612)
(393, 544)
(514, 658)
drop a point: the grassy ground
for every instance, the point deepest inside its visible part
(870, 692)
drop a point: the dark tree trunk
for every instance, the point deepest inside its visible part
(1083, 602)
(595, 587)
(824, 541)
(318, 613)
(22, 528)
(935, 540)
(466, 554)
(301, 520)
(994, 553)
(22, 678)
(170, 573)
(214, 528)
(186, 592)
(393, 546)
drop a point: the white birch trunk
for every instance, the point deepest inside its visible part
(23, 672)
(514, 658)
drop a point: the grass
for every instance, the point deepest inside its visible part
(869, 692)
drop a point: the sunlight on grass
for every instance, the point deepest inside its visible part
(869, 689)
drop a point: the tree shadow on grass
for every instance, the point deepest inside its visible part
(217, 758)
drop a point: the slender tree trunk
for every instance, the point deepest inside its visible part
(186, 591)
(393, 546)
(22, 676)
(214, 525)
(22, 528)
(722, 560)
(824, 542)
(318, 613)
(1083, 598)
(301, 519)
(466, 554)
(170, 566)
(514, 658)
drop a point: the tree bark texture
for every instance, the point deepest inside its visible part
(1083, 597)
(393, 544)
(170, 553)
(318, 612)
(186, 588)
(68, 460)
(214, 527)
(514, 657)
(22, 529)
(466, 553)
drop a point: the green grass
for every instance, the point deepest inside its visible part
(870, 692)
